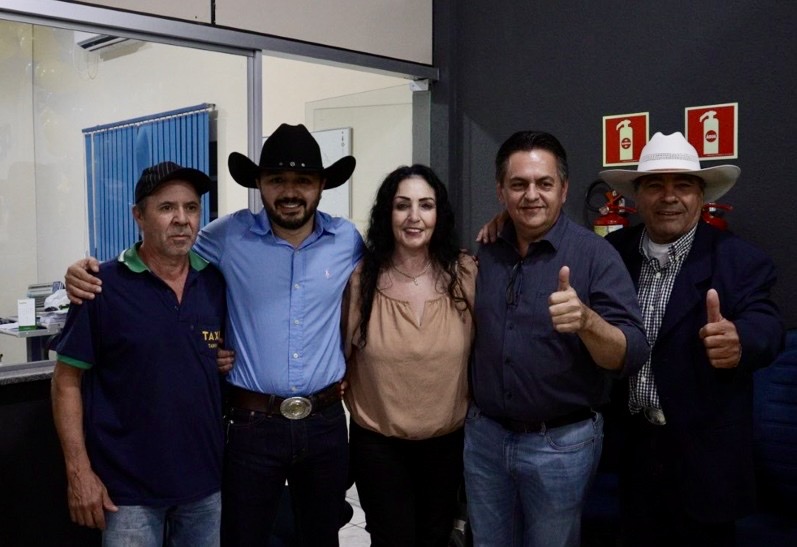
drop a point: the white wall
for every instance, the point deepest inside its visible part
(17, 177)
(80, 90)
(401, 29)
(289, 84)
(381, 122)
(394, 28)
(191, 10)
(52, 90)
(378, 109)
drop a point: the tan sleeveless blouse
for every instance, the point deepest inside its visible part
(410, 380)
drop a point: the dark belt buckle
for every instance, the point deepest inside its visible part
(296, 408)
(655, 416)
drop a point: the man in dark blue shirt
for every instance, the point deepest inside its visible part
(136, 390)
(557, 316)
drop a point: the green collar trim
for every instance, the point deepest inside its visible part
(130, 258)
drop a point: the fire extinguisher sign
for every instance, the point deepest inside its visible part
(624, 135)
(712, 130)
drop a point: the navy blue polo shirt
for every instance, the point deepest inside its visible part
(521, 368)
(151, 388)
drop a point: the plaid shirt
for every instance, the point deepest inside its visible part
(655, 286)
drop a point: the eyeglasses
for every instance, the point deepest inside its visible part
(515, 285)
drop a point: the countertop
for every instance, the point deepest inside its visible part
(26, 372)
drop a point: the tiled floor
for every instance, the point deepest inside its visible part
(354, 534)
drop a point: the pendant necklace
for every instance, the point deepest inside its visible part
(414, 278)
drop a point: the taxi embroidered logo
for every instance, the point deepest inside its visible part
(212, 338)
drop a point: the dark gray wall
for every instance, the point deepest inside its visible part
(560, 66)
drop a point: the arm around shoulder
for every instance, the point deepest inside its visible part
(468, 269)
(80, 283)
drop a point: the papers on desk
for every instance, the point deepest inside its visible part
(52, 318)
(45, 320)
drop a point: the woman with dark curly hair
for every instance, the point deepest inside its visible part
(409, 332)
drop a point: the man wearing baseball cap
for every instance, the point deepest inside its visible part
(687, 470)
(286, 268)
(136, 391)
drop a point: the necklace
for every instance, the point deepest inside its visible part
(414, 278)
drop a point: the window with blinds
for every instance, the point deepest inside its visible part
(117, 153)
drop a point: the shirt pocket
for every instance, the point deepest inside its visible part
(207, 332)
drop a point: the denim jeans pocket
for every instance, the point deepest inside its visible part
(247, 431)
(241, 424)
(573, 437)
(240, 418)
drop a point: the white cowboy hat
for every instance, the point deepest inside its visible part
(673, 154)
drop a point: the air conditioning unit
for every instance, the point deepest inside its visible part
(97, 42)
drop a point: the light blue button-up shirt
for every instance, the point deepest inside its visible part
(283, 302)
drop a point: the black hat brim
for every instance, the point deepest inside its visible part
(246, 172)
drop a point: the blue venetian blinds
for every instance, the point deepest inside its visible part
(117, 153)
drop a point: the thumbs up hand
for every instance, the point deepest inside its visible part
(713, 306)
(564, 278)
(605, 342)
(567, 311)
(719, 335)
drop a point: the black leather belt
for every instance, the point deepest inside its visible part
(293, 408)
(519, 426)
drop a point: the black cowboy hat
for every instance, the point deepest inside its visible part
(289, 148)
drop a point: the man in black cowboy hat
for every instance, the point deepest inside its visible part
(286, 418)
(291, 153)
(286, 268)
(687, 470)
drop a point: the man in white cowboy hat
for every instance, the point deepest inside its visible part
(286, 268)
(687, 457)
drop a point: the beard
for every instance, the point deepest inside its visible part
(295, 221)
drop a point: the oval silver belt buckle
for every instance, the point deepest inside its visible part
(655, 416)
(296, 408)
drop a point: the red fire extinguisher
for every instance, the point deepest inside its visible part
(714, 214)
(613, 215)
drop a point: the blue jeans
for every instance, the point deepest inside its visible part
(195, 524)
(264, 451)
(528, 489)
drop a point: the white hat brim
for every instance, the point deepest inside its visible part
(718, 179)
